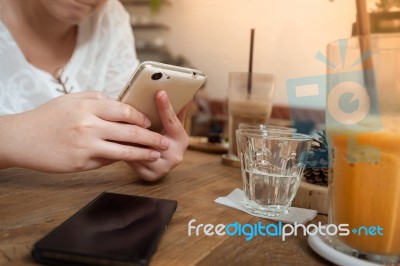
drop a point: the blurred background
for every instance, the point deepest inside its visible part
(214, 36)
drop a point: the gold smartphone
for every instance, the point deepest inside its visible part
(180, 83)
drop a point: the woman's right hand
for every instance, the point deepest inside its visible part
(77, 132)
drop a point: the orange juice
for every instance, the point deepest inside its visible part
(367, 193)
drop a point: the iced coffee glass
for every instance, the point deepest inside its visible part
(363, 130)
(248, 102)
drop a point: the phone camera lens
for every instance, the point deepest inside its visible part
(156, 76)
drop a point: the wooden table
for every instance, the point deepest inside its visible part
(33, 203)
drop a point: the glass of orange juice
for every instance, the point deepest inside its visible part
(363, 130)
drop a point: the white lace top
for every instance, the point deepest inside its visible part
(103, 60)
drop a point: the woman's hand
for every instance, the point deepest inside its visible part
(83, 131)
(178, 142)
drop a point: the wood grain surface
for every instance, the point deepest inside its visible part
(34, 203)
(311, 196)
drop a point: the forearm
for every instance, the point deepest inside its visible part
(9, 144)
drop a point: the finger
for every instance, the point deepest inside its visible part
(133, 134)
(146, 172)
(114, 151)
(167, 114)
(111, 110)
(182, 113)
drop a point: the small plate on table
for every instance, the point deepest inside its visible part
(319, 244)
(202, 144)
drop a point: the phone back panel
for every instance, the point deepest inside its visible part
(179, 83)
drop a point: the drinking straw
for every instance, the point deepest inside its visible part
(363, 23)
(364, 31)
(249, 79)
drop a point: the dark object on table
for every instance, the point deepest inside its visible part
(214, 138)
(202, 144)
(114, 229)
(316, 169)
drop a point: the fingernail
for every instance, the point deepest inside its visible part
(164, 97)
(147, 122)
(165, 143)
(155, 155)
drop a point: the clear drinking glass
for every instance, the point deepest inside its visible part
(363, 130)
(266, 127)
(272, 163)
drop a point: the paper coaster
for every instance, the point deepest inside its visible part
(236, 200)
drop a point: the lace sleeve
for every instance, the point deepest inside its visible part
(123, 61)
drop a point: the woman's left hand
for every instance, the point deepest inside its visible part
(176, 134)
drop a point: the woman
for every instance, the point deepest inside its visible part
(55, 53)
